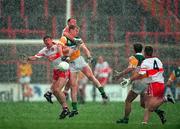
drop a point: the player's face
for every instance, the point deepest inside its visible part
(72, 22)
(74, 32)
(48, 42)
(100, 59)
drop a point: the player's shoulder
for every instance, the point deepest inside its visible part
(151, 60)
(156, 58)
(132, 58)
(43, 49)
(66, 29)
(63, 40)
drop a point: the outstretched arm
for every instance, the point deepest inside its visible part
(124, 72)
(133, 63)
(138, 76)
(32, 58)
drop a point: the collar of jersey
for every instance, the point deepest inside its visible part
(139, 54)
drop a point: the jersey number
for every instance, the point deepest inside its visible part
(155, 65)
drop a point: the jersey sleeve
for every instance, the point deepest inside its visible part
(63, 40)
(133, 62)
(40, 54)
(143, 68)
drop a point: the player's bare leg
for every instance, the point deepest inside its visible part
(159, 112)
(151, 105)
(142, 99)
(89, 74)
(128, 102)
(131, 96)
(74, 89)
(82, 93)
(57, 91)
(66, 89)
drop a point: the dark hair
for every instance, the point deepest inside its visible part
(46, 37)
(148, 51)
(138, 47)
(70, 19)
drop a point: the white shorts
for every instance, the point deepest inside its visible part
(77, 64)
(25, 79)
(139, 86)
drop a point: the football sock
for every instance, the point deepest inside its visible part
(157, 110)
(101, 90)
(74, 105)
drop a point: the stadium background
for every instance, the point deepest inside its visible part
(109, 27)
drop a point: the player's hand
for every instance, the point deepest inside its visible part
(125, 82)
(116, 74)
(65, 58)
(28, 59)
(78, 41)
(31, 58)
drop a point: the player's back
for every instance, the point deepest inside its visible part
(154, 69)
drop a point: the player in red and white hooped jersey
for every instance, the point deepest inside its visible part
(53, 52)
(102, 71)
(151, 70)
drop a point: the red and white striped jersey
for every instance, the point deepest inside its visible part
(153, 68)
(102, 70)
(52, 54)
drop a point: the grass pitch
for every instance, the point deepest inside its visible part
(42, 115)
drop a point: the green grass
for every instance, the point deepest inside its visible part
(42, 115)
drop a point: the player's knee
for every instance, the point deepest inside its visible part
(127, 101)
(55, 90)
(149, 108)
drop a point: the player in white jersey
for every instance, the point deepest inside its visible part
(54, 54)
(151, 71)
(102, 71)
